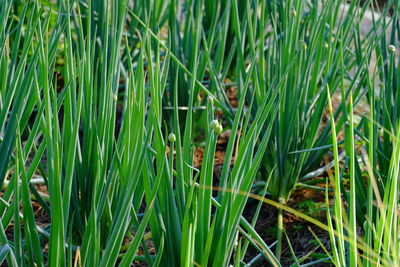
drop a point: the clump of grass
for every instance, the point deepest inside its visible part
(301, 52)
(104, 99)
(367, 233)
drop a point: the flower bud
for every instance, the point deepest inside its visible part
(304, 45)
(218, 129)
(115, 97)
(282, 200)
(392, 48)
(171, 137)
(214, 124)
(210, 99)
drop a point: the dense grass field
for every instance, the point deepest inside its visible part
(199, 133)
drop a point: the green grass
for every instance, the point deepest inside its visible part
(106, 101)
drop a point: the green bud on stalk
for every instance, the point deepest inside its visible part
(218, 129)
(171, 137)
(304, 45)
(214, 124)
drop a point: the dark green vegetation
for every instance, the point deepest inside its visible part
(104, 103)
